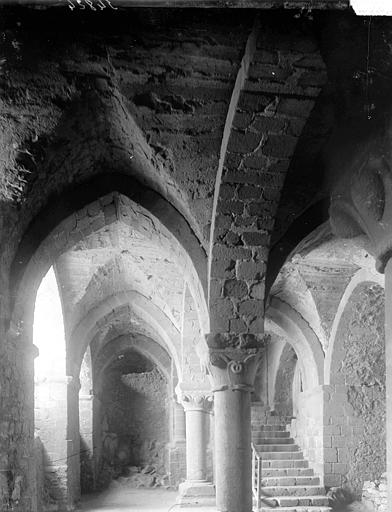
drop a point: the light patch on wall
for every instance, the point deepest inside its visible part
(48, 330)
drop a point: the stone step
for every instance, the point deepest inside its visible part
(272, 434)
(295, 509)
(293, 490)
(294, 501)
(275, 481)
(269, 422)
(277, 447)
(272, 440)
(284, 463)
(272, 455)
(263, 426)
(287, 472)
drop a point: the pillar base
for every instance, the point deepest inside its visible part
(196, 492)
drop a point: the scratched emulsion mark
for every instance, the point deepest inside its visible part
(94, 5)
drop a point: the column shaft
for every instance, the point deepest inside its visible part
(196, 444)
(233, 451)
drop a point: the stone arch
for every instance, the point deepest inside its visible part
(64, 205)
(332, 356)
(52, 232)
(87, 327)
(295, 329)
(140, 343)
(121, 273)
(301, 228)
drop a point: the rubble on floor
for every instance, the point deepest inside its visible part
(137, 477)
(374, 494)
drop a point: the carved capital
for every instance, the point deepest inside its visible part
(195, 400)
(362, 202)
(233, 369)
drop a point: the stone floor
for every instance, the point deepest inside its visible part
(122, 499)
(134, 500)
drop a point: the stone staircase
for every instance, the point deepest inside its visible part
(288, 484)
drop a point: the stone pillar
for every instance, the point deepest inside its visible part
(176, 447)
(86, 407)
(179, 428)
(232, 371)
(196, 488)
(51, 425)
(97, 434)
(211, 447)
(73, 440)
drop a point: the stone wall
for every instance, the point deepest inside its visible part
(39, 474)
(308, 427)
(177, 463)
(284, 382)
(355, 412)
(135, 422)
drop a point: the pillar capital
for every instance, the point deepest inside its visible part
(232, 360)
(194, 399)
(361, 202)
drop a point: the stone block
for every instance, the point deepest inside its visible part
(250, 270)
(269, 124)
(235, 288)
(223, 221)
(256, 161)
(257, 291)
(280, 165)
(339, 441)
(249, 192)
(339, 467)
(332, 430)
(232, 239)
(254, 238)
(227, 191)
(253, 102)
(233, 160)
(242, 120)
(331, 455)
(237, 325)
(342, 455)
(251, 307)
(222, 252)
(244, 142)
(236, 207)
(332, 480)
(256, 326)
(222, 308)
